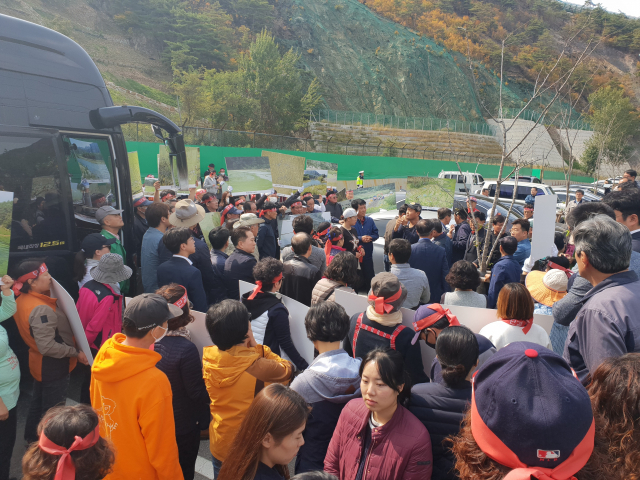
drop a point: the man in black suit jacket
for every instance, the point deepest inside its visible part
(300, 275)
(179, 269)
(626, 205)
(239, 265)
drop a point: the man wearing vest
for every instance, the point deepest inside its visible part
(360, 179)
(381, 326)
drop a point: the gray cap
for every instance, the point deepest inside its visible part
(110, 269)
(349, 212)
(386, 285)
(104, 211)
(150, 310)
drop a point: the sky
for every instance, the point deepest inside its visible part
(628, 7)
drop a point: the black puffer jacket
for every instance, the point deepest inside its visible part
(441, 410)
(270, 322)
(299, 278)
(181, 364)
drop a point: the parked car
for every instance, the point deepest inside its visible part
(524, 189)
(472, 181)
(525, 178)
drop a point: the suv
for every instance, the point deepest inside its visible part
(524, 189)
(524, 178)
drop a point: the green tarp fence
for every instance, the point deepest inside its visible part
(348, 165)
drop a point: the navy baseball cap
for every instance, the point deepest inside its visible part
(141, 202)
(95, 241)
(531, 414)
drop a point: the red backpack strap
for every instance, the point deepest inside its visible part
(355, 334)
(395, 333)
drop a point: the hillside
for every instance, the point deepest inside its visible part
(409, 63)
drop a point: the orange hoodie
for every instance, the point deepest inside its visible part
(233, 378)
(134, 402)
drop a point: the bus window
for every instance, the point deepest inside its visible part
(90, 168)
(30, 180)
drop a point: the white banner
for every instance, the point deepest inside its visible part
(544, 226)
(297, 312)
(473, 318)
(68, 306)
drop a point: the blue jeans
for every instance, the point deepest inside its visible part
(217, 465)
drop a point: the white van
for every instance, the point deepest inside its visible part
(473, 181)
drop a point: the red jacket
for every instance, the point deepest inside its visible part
(400, 449)
(100, 310)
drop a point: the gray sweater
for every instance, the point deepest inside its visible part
(464, 299)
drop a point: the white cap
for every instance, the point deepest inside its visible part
(361, 171)
(349, 212)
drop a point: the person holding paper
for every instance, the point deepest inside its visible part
(47, 332)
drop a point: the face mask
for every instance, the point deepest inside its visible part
(432, 345)
(162, 336)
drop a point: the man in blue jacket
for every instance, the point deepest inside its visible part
(506, 270)
(179, 269)
(267, 243)
(440, 238)
(239, 265)
(459, 236)
(520, 231)
(367, 234)
(431, 259)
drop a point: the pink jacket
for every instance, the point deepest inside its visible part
(100, 310)
(400, 449)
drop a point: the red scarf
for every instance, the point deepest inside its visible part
(258, 288)
(382, 305)
(66, 469)
(526, 324)
(182, 301)
(18, 284)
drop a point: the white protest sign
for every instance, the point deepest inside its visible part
(297, 312)
(544, 226)
(473, 318)
(68, 306)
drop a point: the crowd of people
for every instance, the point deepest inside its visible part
(366, 406)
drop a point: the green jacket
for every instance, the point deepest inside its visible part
(9, 368)
(119, 249)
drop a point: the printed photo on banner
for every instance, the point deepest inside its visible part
(193, 166)
(315, 181)
(377, 198)
(134, 173)
(430, 191)
(211, 220)
(249, 174)
(287, 171)
(331, 168)
(6, 212)
(168, 170)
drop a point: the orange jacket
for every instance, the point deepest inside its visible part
(47, 332)
(134, 403)
(233, 378)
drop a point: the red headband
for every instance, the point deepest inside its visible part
(267, 210)
(182, 301)
(66, 469)
(434, 317)
(525, 324)
(322, 233)
(329, 243)
(240, 201)
(258, 288)
(224, 213)
(382, 304)
(27, 276)
(495, 449)
(555, 266)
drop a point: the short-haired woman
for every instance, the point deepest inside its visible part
(46, 330)
(376, 436)
(74, 429)
(515, 324)
(181, 363)
(235, 369)
(615, 398)
(269, 316)
(341, 272)
(269, 437)
(441, 406)
(332, 380)
(464, 279)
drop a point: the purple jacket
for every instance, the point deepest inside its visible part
(607, 325)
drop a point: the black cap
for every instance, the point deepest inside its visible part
(95, 241)
(415, 206)
(150, 310)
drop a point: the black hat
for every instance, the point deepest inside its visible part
(95, 241)
(415, 206)
(150, 310)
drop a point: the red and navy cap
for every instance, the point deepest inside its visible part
(531, 414)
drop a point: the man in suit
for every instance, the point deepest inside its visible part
(239, 265)
(300, 275)
(471, 253)
(459, 235)
(626, 205)
(430, 258)
(441, 239)
(506, 270)
(179, 269)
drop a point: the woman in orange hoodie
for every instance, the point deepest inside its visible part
(133, 398)
(235, 370)
(46, 330)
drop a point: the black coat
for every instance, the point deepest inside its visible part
(239, 266)
(181, 364)
(299, 278)
(367, 341)
(277, 333)
(471, 253)
(335, 209)
(459, 242)
(178, 270)
(320, 426)
(441, 410)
